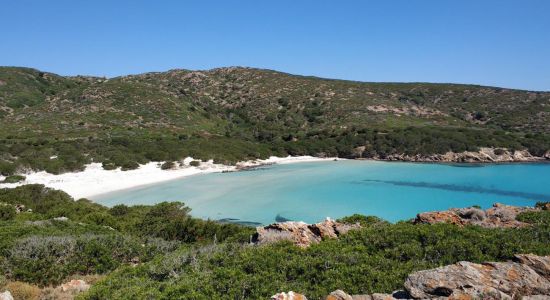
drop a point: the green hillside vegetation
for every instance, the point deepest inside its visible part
(54, 123)
(161, 252)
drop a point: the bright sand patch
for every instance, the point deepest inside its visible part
(94, 180)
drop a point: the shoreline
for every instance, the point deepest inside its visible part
(94, 180)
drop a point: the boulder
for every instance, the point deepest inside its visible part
(6, 296)
(495, 280)
(339, 295)
(288, 296)
(75, 285)
(300, 233)
(439, 217)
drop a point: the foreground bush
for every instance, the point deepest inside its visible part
(63, 237)
(374, 259)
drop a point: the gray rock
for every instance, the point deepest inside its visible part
(501, 216)
(300, 233)
(502, 280)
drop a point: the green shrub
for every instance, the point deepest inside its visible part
(7, 212)
(7, 168)
(108, 165)
(14, 179)
(168, 165)
(376, 258)
(195, 163)
(129, 165)
(499, 151)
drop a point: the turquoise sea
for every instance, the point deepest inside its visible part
(312, 191)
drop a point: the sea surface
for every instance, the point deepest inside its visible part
(313, 191)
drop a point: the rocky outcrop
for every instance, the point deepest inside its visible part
(499, 215)
(300, 233)
(483, 155)
(288, 296)
(527, 275)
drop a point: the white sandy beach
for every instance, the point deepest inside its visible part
(94, 180)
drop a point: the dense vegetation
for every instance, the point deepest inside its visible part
(60, 237)
(374, 259)
(160, 252)
(54, 123)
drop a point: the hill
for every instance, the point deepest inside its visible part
(55, 123)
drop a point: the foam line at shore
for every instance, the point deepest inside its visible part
(94, 180)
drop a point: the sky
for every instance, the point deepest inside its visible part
(489, 42)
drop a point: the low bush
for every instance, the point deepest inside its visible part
(7, 212)
(14, 179)
(376, 258)
(168, 165)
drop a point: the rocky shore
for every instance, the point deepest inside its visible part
(484, 155)
(500, 215)
(303, 235)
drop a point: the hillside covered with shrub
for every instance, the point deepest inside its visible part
(55, 123)
(161, 252)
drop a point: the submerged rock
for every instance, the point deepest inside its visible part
(300, 233)
(497, 216)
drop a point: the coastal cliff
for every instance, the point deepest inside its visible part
(483, 155)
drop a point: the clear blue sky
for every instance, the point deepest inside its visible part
(490, 42)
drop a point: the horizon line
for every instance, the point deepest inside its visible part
(282, 72)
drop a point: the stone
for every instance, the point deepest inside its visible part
(300, 233)
(339, 295)
(540, 264)
(439, 217)
(6, 296)
(288, 296)
(75, 285)
(498, 216)
(495, 280)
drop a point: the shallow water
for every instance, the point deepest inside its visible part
(312, 191)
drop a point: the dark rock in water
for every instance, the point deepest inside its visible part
(239, 222)
(279, 218)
